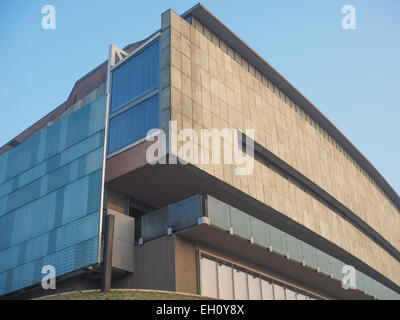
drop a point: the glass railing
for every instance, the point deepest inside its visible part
(186, 213)
(260, 233)
(176, 217)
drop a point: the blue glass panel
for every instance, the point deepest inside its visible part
(178, 216)
(134, 124)
(50, 189)
(135, 78)
(185, 213)
(155, 224)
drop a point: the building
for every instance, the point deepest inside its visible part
(78, 185)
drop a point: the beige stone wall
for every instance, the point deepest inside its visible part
(209, 89)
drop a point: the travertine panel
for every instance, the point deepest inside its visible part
(209, 89)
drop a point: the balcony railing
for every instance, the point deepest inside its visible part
(206, 209)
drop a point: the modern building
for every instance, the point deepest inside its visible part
(79, 194)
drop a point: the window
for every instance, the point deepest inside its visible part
(133, 124)
(135, 78)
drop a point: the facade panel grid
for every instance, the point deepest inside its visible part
(50, 199)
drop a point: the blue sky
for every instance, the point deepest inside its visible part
(352, 76)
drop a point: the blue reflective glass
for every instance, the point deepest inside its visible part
(135, 78)
(50, 189)
(185, 213)
(155, 223)
(133, 124)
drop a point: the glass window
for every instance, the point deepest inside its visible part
(135, 78)
(225, 282)
(134, 124)
(208, 278)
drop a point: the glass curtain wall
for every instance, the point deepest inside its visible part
(134, 98)
(50, 190)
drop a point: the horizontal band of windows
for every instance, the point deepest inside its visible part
(133, 124)
(136, 77)
(134, 103)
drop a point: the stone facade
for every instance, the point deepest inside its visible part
(203, 86)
